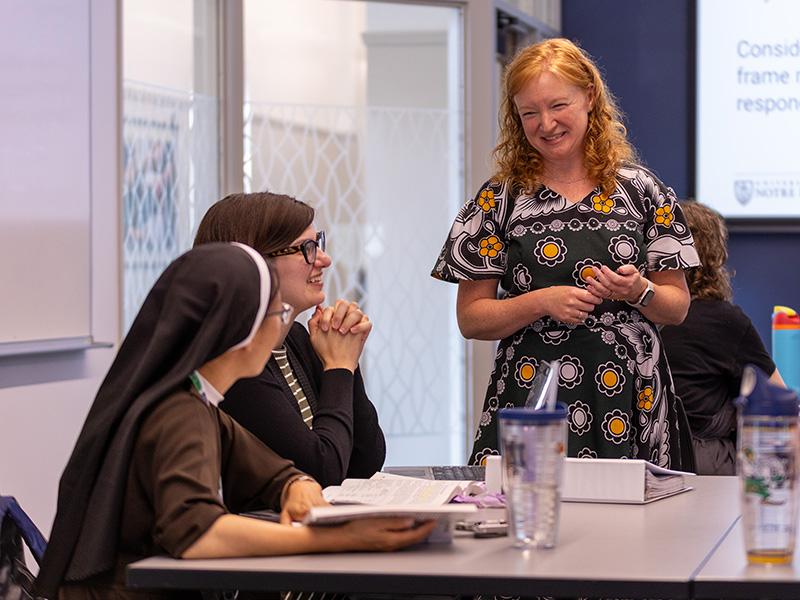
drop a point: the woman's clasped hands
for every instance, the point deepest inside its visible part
(338, 334)
(572, 305)
(626, 283)
(569, 304)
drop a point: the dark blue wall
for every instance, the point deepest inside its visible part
(646, 49)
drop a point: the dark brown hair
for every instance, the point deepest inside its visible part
(274, 281)
(711, 280)
(262, 220)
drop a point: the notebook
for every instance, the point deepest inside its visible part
(620, 481)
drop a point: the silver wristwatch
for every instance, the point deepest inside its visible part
(646, 296)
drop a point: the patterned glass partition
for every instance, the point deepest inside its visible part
(169, 180)
(170, 135)
(370, 132)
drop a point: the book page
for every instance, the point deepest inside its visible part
(658, 471)
(446, 515)
(659, 485)
(341, 514)
(393, 490)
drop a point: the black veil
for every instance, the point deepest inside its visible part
(209, 300)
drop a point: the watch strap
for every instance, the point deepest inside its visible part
(647, 292)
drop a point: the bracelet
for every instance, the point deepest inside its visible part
(285, 491)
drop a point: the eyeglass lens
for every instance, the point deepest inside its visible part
(285, 313)
(309, 247)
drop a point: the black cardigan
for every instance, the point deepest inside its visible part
(346, 440)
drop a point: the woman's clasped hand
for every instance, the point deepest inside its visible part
(573, 305)
(338, 334)
(568, 304)
(625, 283)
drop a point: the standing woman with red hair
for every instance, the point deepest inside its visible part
(589, 249)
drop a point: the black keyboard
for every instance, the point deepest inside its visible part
(460, 473)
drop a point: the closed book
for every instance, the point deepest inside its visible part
(622, 481)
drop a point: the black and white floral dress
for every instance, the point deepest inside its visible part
(613, 374)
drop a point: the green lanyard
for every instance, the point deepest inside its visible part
(198, 386)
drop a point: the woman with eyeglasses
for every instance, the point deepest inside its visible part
(158, 469)
(309, 403)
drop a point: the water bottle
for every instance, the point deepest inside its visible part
(533, 444)
(786, 344)
(768, 461)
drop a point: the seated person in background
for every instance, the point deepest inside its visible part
(157, 467)
(309, 403)
(708, 351)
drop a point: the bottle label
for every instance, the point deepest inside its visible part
(767, 471)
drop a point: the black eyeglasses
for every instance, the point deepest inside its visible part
(285, 313)
(308, 248)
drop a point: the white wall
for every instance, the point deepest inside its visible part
(44, 399)
(151, 26)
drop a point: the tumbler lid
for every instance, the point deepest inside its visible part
(760, 397)
(526, 415)
(784, 317)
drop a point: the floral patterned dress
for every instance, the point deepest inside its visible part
(613, 375)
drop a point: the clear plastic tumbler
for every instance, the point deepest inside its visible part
(768, 463)
(532, 447)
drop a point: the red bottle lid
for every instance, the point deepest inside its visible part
(784, 317)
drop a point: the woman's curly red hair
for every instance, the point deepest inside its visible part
(606, 147)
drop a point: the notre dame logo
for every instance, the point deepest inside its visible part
(743, 189)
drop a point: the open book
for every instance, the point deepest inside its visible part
(624, 481)
(386, 488)
(392, 495)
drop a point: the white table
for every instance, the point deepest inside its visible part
(606, 550)
(726, 574)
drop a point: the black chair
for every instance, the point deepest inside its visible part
(16, 581)
(688, 462)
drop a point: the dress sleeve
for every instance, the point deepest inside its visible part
(179, 443)
(669, 242)
(476, 245)
(253, 475)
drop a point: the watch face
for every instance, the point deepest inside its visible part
(647, 296)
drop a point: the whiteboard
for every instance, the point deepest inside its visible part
(45, 170)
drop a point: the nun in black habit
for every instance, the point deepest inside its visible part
(158, 469)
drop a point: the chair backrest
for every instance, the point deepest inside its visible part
(688, 461)
(10, 509)
(16, 581)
